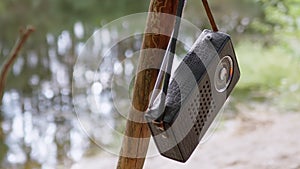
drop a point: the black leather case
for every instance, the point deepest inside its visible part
(192, 101)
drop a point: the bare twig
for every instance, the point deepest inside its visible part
(24, 34)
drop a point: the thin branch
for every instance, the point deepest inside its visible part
(24, 34)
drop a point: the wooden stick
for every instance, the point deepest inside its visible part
(24, 34)
(136, 140)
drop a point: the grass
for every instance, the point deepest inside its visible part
(268, 75)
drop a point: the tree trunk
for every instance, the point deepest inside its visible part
(137, 135)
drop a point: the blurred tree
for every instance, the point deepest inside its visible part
(282, 18)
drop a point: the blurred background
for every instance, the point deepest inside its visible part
(39, 128)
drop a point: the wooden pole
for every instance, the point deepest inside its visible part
(137, 135)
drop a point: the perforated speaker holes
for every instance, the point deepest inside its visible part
(201, 107)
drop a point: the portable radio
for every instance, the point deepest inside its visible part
(197, 91)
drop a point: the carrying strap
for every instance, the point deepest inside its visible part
(157, 100)
(210, 16)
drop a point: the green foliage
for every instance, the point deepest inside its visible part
(281, 19)
(281, 13)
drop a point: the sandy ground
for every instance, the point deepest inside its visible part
(259, 138)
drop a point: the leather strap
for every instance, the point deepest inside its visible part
(163, 78)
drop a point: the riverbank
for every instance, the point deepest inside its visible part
(259, 137)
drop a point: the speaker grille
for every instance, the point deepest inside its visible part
(201, 107)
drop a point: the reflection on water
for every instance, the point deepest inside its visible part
(40, 129)
(44, 138)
